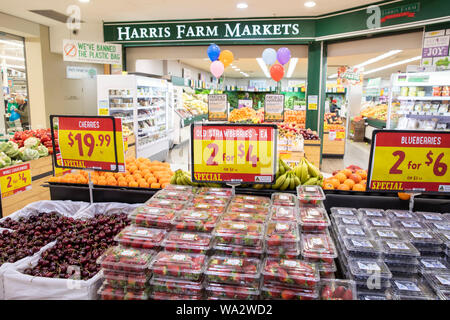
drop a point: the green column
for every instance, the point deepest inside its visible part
(316, 86)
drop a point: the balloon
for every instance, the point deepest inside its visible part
(213, 52)
(269, 56)
(283, 55)
(277, 72)
(217, 68)
(226, 56)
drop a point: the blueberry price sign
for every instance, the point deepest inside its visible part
(15, 179)
(239, 153)
(413, 160)
(90, 143)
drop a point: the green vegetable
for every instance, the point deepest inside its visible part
(31, 142)
(11, 149)
(30, 154)
(3, 146)
(42, 150)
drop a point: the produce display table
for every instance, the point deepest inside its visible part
(333, 148)
(312, 151)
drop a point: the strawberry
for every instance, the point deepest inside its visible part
(287, 295)
(339, 292)
(327, 293)
(229, 291)
(348, 295)
(283, 276)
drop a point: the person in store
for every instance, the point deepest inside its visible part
(22, 110)
(334, 108)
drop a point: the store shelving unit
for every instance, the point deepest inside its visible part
(142, 103)
(419, 101)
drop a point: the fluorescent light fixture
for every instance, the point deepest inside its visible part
(242, 5)
(12, 43)
(12, 58)
(333, 76)
(237, 69)
(376, 59)
(393, 65)
(263, 67)
(310, 4)
(12, 66)
(84, 1)
(292, 65)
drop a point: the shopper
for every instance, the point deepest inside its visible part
(22, 110)
(334, 107)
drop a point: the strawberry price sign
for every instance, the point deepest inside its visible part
(223, 153)
(15, 179)
(90, 143)
(410, 161)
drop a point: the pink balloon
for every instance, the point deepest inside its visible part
(217, 68)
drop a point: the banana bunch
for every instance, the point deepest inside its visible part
(184, 178)
(308, 173)
(287, 180)
(305, 173)
(282, 168)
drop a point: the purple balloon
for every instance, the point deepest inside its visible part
(283, 55)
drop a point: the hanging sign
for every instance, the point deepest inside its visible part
(217, 107)
(238, 153)
(90, 142)
(15, 179)
(92, 52)
(435, 49)
(312, 102)
(410, 161)
(349, 76)
(274, 108)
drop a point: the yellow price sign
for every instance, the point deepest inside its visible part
(91, 143)
(15, 179)
(233, 154)
(410, 161)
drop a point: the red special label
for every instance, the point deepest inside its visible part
(410, 161)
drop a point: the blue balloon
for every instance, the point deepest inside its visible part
(213, 52)
(269, 56)
(14, 116)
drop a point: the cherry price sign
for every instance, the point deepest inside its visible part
(224, 153)
(90, 143)
(410, 161)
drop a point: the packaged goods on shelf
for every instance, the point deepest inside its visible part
(337, 290)
(188, 242)
(233, 270)
(187, 266)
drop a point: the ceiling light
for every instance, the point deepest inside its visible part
(376, 59)
(12, 43)
(393, 65)
(14, 66)
(310, 4)
(237, 69)
(84, 1)
(12, 58)
(263, 67)
(242, 5)
(333, 76)
(292, 65)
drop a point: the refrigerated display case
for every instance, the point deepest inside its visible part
(142, 103)
(419, 101)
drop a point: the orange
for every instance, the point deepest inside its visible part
(404, 196)
(155, 185)
(344, 187)
(355, 177)
(359, 187)
(145, 171)
(347, 172)
(148, 175)
(129, 179)
(151, 180)
(335, 182)
(362, 173)
(132, 169)
(350, 183)
(137, 176)
(141, 180)
(164, 180)
(164, 185)
(341, 177)
(133, 184)
(122, 183)
(364, 182)
(328, 186)
(109, 174)
(143, 184)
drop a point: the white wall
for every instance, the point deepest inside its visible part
(87, 32)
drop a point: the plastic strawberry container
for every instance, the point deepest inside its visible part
(165, 204)
(256, 200)
(374, 223)
(233, 270)
(241, 233)
(400, 214)
(337, 290)
(153, 217)
(371, 213)
(177, 286)
(129, 280)
(282, 234)
(178, 265)
(439, 280)
(410, 224)
(349, 231)
(157, 295)
(284, 253)
(174, 195)
(126, 259)
(284, 199)
(410, 289)
(361, 248)
(107, 292)
(388, 234)
(326, 269)
(318, 247)
(424, 240)
(439, 226)
(248, 208)
(188, 242)
(398, 249)
(140, 237)
(222, 192)
(289, 214)
(276, 291)
(229, 291)
(189, 220)
(259, 217)
(212, 199)
(433, 265)
(346, 221)
(363, 269)
(215, 209)
(344, 212)
(225, 249)
(291, 272)
(430, 216)
(313, 219)
(180, 188)
(310, 194)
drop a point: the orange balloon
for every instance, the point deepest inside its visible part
(226, 57)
